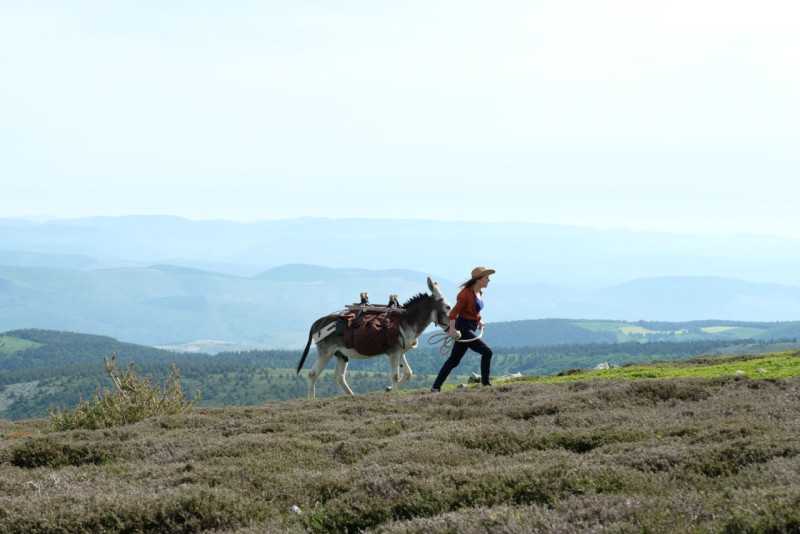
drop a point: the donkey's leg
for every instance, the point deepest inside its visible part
(341, 369)
(407, 372)
(323, 357)
(394, 371)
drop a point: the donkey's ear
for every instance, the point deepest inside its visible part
(433, 286)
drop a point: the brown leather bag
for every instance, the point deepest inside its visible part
(371, 333)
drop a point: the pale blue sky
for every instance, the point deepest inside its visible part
(679, 116)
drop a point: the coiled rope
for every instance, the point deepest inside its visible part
(447, 340)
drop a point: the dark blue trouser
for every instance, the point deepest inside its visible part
(469, 330)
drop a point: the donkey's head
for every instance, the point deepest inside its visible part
(442, 307)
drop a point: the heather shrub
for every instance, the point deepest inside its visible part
(192, 510)
(528, 412)
(359, 504)
(496, 441)
(47, 452)
(133, 399)
(581, 441)
(730, 457)
(570, 372)
(655, 391)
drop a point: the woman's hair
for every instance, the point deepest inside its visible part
(469, 283)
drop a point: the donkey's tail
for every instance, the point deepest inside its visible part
(305, 352)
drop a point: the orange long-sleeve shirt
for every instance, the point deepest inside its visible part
(465, 306)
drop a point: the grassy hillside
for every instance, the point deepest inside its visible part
(582, 452)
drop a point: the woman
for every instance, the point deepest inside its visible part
(465, 319)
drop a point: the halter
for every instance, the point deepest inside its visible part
(442, 317)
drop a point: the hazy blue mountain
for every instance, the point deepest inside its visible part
(163, 304)
(162, 280)
(521, 252)
(166, 304)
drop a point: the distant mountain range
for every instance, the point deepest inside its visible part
(168, 305)
(165, 280)
(522, 253)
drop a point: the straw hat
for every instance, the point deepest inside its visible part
(480, 272)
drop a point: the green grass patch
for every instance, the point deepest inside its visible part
(9, 345)
(772, 366)
(602, 326)
(779, 365)
(734, 332)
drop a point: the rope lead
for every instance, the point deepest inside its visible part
(447, 341)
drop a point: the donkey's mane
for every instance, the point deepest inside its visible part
(417, 307)
(415, 299)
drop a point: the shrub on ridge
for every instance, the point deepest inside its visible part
(133, 400)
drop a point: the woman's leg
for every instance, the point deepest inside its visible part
(458, 351)
(486, 358)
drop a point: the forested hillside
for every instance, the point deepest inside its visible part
(40, 369)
